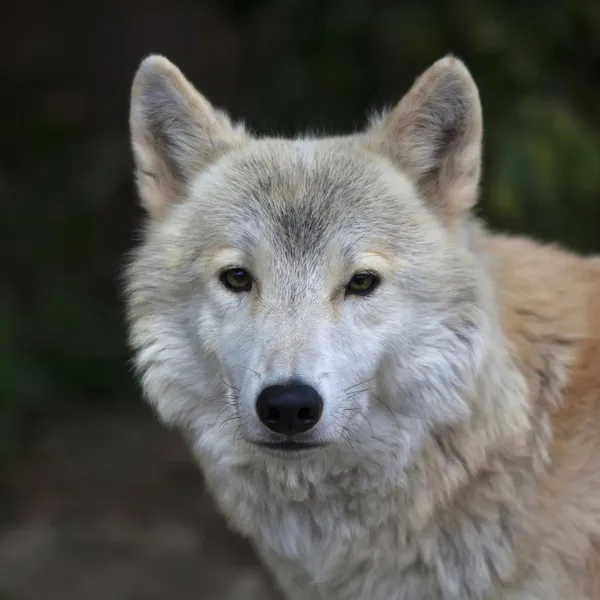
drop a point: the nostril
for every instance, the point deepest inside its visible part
(306, 414)
(289, 409)
(268, 413)
(273, 415)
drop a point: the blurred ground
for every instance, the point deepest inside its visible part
(109, 506)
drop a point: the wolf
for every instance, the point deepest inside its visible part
(389, 400)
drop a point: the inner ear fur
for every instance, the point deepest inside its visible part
(434, 134)
(175, 133)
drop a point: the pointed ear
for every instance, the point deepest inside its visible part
(175, 133)
(434, 135)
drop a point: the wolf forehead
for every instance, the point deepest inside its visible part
(302, 195)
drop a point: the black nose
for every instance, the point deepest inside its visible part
(289, 409)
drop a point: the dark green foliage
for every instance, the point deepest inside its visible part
(61, 337)
(317, 64)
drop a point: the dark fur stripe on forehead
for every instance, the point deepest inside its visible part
(304, 205)
(301, 228)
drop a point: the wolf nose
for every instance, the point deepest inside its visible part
(289, 409)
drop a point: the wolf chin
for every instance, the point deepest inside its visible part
(389, 401)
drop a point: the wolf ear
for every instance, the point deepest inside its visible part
(434, 135)
(175, 133)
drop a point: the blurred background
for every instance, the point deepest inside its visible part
(97, 501)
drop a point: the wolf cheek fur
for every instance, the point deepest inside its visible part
(429, 470)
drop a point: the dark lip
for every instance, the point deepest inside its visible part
(290, 446)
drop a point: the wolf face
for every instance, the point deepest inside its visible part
(307, 298)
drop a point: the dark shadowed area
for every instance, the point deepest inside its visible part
(97, 500)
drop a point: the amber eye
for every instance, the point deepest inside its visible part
(362, 284)
(236, 280)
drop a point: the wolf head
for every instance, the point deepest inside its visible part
(294, 294)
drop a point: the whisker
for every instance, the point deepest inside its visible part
(237, 435)
(345, 433)
(356, 392)
(227, 384)
(398, 412)
(359, 383)
(233, 417)
(227, 403)
(247, 369)
(362, 414)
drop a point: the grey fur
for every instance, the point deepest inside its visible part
(405, 374)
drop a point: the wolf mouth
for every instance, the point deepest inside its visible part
(290, 446)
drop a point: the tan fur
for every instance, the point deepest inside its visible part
(550, 301)
(556, 331)
(470, 468)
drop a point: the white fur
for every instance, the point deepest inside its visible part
(364, 517)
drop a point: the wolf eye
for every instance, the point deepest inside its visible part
(362, 284)
(236, 280)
